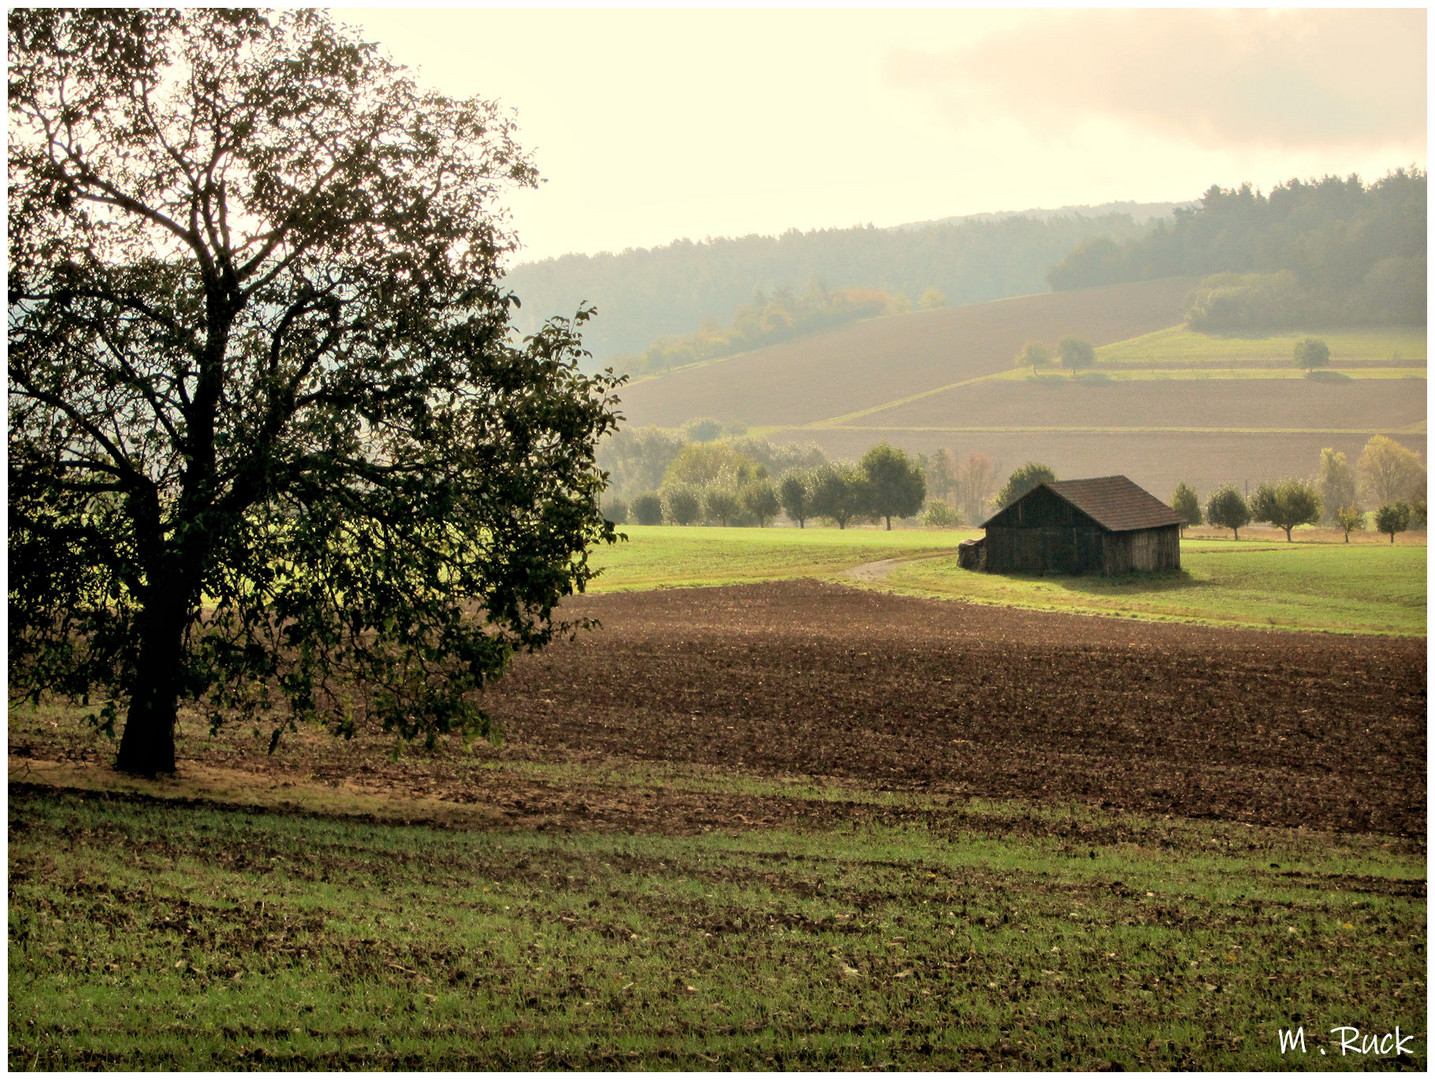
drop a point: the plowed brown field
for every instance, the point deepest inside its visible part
(796, 678)
(879, 360)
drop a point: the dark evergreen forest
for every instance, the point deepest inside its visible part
(1330, 252)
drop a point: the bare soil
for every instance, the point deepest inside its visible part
(863, 691)
(806, 678)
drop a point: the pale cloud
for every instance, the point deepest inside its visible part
(1292, 79)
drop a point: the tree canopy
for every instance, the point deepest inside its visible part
(1311, 353)
(895, 486)
(1185, 503)
(271, 440)
(1227, 509)
(1022, 481)
(1328, 252)
(1286, 504)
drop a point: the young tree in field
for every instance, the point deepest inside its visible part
(976, 480)
(1185, 503)
(895, 486)
(794, 492)
(759, 500)
(269, 434)
(681, 504)
(1034, 355)
(837, 492)
(1022, 481)
(1393, 518)
(1076, 354)
(1286, 505)
(1388, 471)
(647, 508)
(1227, 509)
(721, 505)
(1335, 482)
(1350, 518)
(1311, 353)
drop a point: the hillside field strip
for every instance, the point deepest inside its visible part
(870, 363)
(797, 803)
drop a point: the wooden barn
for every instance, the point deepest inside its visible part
(1106, 525)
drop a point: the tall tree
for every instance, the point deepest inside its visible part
(1393, 518)
(1286, 505)
(1335, 481)
(1311, 353)
(837, 492)
(268, 433)
(1227, 509)
(976, 480)
(1350, 518)
(1034, 355)
(1076, 354)
(1184, 502)
(895, 486)
(795, 495)
(1389, 472)
(1022, 481)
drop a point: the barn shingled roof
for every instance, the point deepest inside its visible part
(1116, 503)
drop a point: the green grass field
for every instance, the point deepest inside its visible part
(1178, 345)
(231, 920)
(145, 935)
(1350, 588)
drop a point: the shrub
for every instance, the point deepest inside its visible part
(941, 514)
(647, 509)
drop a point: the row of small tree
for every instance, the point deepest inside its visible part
(1072, 353)
(1287, 504)
(885, 484)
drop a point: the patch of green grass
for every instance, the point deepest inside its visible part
(675, 556)
(1177, 344)
(145, 934)
(1355, 588)
(1134, 373)
(1333, 587)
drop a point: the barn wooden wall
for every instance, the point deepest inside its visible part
(1081, 550)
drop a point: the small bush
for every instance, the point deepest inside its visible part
(647, 509)
(941, 514)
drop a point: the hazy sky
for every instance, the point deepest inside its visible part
(654, 124)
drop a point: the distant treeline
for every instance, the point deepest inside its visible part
(767, 321)
(1332, 252)
(645, 295)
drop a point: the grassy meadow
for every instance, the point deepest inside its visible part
(151, 934)
(1354, 588)
(295, 923)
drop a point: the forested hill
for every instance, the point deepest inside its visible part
(642, 295)
(1328, 252)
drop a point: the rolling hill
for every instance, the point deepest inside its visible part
(1162, 406)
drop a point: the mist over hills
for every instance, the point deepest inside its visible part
(644, 294)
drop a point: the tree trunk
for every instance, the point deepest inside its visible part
(147, 745)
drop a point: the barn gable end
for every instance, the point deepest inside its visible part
(1105, 525)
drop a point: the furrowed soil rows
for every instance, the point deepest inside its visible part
(806, 678)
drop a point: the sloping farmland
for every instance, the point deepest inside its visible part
(870, 363)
